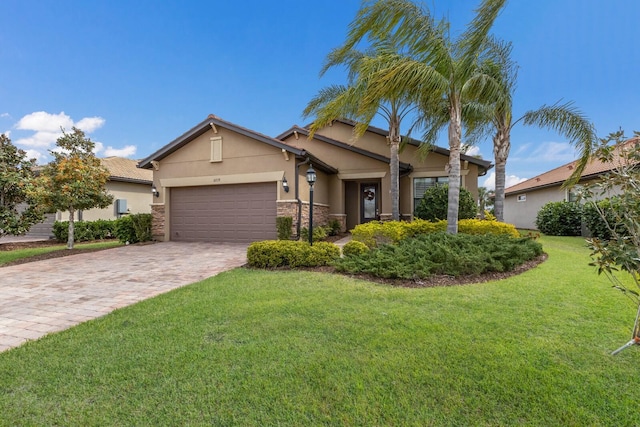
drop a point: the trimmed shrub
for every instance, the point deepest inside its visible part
(443, 254)
(560, 219)
(354, 248)
(334, 227)
(594, 221)
(376, 233)
(287, 253)
(435, 203)
(134, 228)
(319, 233)
(283, 225)
(84, 231)
(480, 226)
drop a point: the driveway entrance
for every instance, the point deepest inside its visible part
(51, 295)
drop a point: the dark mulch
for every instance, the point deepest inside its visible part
(41, 244)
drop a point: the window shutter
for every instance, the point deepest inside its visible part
(216, 149)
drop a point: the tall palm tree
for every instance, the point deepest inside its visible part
(565, 119)
(355, 102)
(435, 67)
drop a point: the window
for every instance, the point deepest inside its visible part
(572, 196)
(216, 149)
(522, 197)
(420, 185)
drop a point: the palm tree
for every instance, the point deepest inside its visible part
(355, 102)
(563, 118)
(436, 68)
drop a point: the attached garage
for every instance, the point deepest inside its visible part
(236, 213)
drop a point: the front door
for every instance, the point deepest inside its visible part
(369, 209)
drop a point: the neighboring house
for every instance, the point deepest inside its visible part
(523, 201)
(222, 182)
(131, 190)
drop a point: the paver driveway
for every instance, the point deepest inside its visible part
(47, 296)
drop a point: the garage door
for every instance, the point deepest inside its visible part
(224, 213)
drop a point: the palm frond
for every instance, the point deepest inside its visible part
(571, 123)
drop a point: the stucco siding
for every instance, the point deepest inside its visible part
(523, 214)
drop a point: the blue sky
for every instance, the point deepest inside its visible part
(136, 74)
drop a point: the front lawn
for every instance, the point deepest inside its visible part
(46, 251)
(252, 347)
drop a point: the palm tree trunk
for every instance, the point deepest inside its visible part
(501, 146)
(394, 167)
(455, 136)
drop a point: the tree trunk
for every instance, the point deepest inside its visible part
(501, 146)
(394, 167)
(70, 238)
(455, 136)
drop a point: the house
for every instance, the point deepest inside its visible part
(131, 190)
(223, 182)
(523, 201)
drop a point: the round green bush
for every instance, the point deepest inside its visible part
(435, 203)
(560, 219)
(354, 248)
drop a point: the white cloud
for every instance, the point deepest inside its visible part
(47, 128)
(89, 124)
(126, 151)
(552, 152)
(473, 151)
(35, 154)
(41, 121)
(5, 116)
(97, 147)
(7, 133)
(490, 181)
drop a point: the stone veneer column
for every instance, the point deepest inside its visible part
(157, 222)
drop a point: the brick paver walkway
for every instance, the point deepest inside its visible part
(48, 296)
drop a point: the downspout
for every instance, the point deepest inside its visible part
(298, 196)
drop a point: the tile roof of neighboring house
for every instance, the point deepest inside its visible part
(560, 174)
(127, 170)
(210, 123)
(404, 167)
(484, 165)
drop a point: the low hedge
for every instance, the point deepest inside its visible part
(375, 233)
(293, 254)
(128, 229)
(443, 254)
(354, 248)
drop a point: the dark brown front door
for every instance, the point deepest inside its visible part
(369, 204)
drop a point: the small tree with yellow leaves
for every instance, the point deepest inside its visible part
(75, 179)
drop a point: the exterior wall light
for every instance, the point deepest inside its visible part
(155, 191)
(285, 185)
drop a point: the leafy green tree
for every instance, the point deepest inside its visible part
(449, 75)
(434, 204)
(75, 179)
(356, 101)
(621, 252)
(18, 211)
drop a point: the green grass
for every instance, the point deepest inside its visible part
(256, 348)
(9, 256)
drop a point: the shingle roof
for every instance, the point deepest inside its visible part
(404, 167)
(121, 169)
(484, 165)
(560, 174)
(212, 121)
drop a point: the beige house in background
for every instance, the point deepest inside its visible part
(130, 187)
(131, 190)
(222, 182)
(523, 201)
